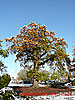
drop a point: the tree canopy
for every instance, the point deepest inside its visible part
(37, 45)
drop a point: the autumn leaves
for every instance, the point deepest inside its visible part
(37, 45)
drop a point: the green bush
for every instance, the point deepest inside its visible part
(74, 82)
(54, 85)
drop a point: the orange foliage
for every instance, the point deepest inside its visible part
(6, 39)
(37, 39)
(52, 33)
(62, 38)
(54, 38)
(74, 59)
(51, 36)
(62, 44)
(35, 33)
(69, 67)
(24, 27)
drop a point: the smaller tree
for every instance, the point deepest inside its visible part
(28, 75)
(22, 75)
(3, 53)
(61, 75)
(5, 78)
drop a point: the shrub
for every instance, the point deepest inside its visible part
(74, 82)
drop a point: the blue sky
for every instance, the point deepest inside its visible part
(57, 15)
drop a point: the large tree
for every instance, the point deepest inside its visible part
(37, 45)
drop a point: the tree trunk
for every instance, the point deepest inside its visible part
(35, 82)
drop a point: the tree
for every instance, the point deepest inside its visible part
(37, 45)
(27, 75)
(22, 75)
(3, 53)
(5, 78)
(61, 76)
